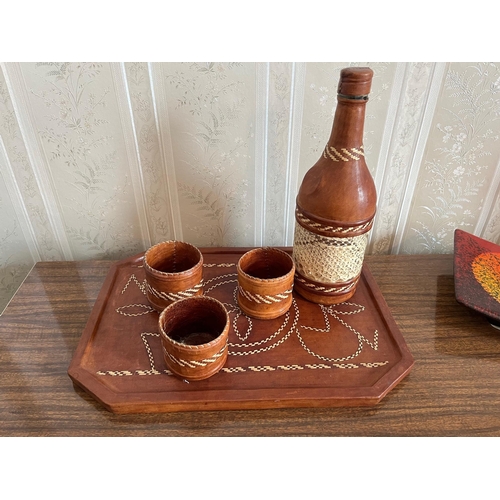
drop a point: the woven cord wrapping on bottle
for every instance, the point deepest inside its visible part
(325, 258)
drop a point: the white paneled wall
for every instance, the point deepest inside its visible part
(101, 160)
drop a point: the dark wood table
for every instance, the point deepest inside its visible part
(453, 389)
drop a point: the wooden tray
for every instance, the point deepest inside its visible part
(350, 354)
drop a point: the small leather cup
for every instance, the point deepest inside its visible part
(194, 337)
(265, 282)
(174, 271)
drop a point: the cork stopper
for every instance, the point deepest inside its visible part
(355, 82)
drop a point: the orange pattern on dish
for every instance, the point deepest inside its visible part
(486, 269)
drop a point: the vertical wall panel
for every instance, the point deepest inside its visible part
(393, 104)
(15, 256)
(12, 188)
(212, 120)
(261, 163)
(461, 156)
(491, 230)
(36, 154)
(23, 155)
(410, 186)
(160, 96)
(292, 183)
(153, 170)
(404, 136)
(131, 142)
(278, 126)
(76, 116)
(487, 223)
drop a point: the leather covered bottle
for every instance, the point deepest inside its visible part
(336, 202)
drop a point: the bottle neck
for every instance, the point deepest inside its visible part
(348, 124)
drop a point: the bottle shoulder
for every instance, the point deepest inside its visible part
(342, 191)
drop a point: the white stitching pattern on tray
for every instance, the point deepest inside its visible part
(237, 349)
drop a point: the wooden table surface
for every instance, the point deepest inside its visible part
(453, 389)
